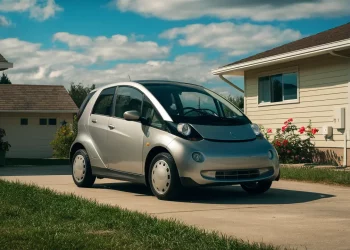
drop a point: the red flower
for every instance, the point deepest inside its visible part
(278, 143)
(284, 128)
(269, 130)
(288, 121)
(285, 142)
(302, 130)
(314, 131)
(288, 151)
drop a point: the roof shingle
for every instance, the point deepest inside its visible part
(332, 35)
(35, 97)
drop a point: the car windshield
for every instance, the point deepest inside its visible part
(196, 105)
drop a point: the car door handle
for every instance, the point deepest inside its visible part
(94, 120)
(111, 126)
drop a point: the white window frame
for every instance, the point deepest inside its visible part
(288, 70)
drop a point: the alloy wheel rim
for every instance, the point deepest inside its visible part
(161, 177)
(79, 168)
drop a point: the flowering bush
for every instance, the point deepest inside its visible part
(293, 144)
(4, 145)
(64, 138)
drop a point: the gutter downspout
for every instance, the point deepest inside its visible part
(231, 84)
(333, 53)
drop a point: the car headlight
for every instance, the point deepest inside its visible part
(270, 154)
(184, 129)
(255, 128)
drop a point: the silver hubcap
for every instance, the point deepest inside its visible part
(161, 176)
(79, 168)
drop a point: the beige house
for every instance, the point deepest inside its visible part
(305, 79)
(31, 115)
(4, 64)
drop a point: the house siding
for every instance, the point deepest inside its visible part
(32, 140)
(323, 86)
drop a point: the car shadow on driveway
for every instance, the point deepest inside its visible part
(225, 195)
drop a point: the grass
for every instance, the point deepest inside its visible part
(317, 175)
(35, 218)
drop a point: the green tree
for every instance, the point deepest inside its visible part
(237, 100)
(78, 92)
(4, 79)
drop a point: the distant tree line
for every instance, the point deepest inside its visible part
(78, 92)
(237, 100)
(4, 79)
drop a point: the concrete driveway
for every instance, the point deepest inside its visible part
(293, 214)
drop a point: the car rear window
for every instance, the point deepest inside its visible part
(85, 102)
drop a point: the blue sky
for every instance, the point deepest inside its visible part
(63, 41)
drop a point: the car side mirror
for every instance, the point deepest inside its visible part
(131, 115)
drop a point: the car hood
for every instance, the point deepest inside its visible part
(226, 133)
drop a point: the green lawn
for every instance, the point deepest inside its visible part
(34, 218)
(318, 175)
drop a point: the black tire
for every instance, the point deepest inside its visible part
(175, 188)
(88, 179)
(256, 187)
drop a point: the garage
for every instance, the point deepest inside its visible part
(31, 115)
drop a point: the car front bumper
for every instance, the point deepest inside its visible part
(224, 162)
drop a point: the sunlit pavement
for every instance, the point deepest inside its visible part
(292, 214)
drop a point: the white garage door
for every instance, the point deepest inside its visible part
(31, 140)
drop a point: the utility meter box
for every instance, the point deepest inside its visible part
(327, 131)
(339, 118)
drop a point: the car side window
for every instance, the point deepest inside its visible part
(151, 115)
(104, 103)
(128, 99)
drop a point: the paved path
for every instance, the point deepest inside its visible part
(294, 214)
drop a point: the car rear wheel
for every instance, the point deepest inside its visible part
(164, 178)
(81, 169)
(257, 187)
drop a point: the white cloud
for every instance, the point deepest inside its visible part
(42, 12)
(117, 47)
(28, 57)
(4, 22)
(34, 65)
(226, 9)
(38, 9)
(72, 40)
(234, 39)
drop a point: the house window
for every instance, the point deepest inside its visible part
(24, 121)
(52, 121)
(278, 88)
(43, 121)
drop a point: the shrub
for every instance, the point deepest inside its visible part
(4, 145)
(293, 144)
(64, 138)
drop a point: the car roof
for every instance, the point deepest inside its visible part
(146, 83)
(153, 82)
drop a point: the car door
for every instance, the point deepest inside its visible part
(125, 138)
(98, 122)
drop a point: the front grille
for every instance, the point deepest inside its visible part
(237, 174)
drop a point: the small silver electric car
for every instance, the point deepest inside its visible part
(169, 135)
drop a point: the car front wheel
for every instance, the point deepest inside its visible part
(81, 169)
(257, 187)
(164, 178)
